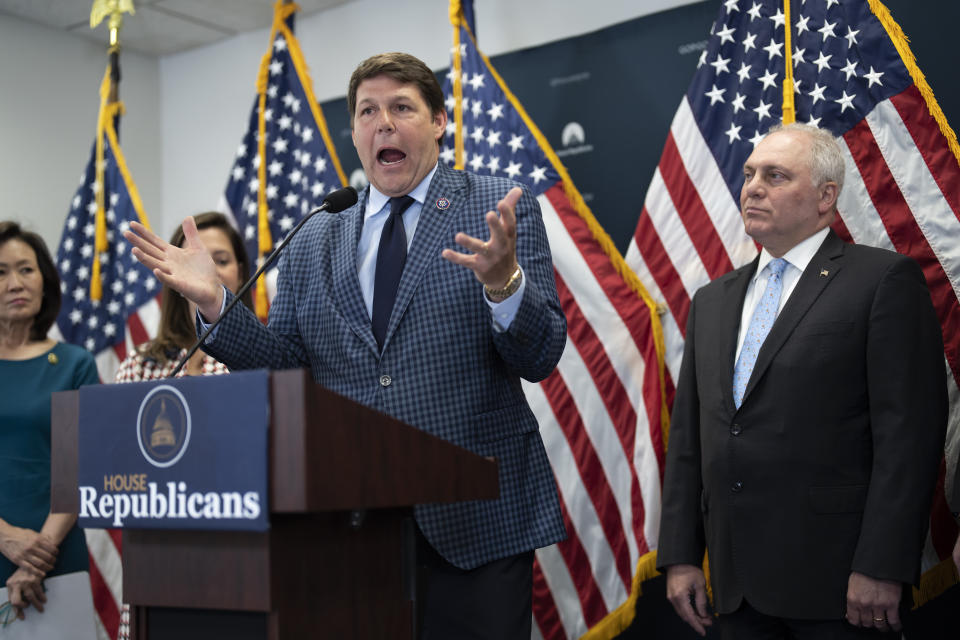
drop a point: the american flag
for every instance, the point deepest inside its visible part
(124, 314)
(286, 162)
(853, 74)
(602, 412)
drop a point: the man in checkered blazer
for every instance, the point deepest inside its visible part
(437, 334)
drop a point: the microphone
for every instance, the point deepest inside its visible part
(334, 202)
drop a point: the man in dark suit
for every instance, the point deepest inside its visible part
(808, 422)
(384, 307)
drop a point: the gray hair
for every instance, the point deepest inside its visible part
(826, 159)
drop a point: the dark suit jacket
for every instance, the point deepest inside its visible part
(829, 465)
(443, 368)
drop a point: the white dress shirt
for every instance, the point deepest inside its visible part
(797, 260)
(375, 216)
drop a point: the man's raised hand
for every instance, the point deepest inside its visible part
(189, 270)
(493, 261)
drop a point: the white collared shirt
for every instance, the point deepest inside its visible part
(797, 260)
(375, 216)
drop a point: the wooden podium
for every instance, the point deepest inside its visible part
(338, 559)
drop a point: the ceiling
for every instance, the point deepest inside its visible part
(160, 27)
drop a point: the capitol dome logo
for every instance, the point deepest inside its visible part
(574, 140)
(163, 426)
(573, 134)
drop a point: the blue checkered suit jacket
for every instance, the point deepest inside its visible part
(452, 375)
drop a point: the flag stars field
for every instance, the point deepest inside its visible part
(296, 156)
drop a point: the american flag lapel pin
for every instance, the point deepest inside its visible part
(824, 273)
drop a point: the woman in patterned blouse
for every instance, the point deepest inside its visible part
(157, 358)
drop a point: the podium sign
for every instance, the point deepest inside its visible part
(336, 561)
(188, 453)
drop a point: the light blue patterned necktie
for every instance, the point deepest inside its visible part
(760, 323)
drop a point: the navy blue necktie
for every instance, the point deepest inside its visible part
(391, 257)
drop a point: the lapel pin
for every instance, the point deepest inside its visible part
(824, 273)
(443, 204)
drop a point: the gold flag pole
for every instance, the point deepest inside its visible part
(456, 19)
(788, 110)
(110, 107)
(114, 10)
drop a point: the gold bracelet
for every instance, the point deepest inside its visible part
(506, 290)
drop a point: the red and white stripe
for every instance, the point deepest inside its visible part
(671, 260)
(599, 415)
(106, 579)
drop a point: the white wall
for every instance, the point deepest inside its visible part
(49, 97)
(207, 94)
(187, 112)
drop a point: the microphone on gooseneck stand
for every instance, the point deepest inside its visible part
(335, 202)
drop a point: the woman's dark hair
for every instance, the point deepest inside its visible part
(50, 305)
(177, 330)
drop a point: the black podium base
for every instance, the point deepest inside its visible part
(162, 623)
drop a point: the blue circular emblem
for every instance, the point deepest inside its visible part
(443, 204)
(163, 426)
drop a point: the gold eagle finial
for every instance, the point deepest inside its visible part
(113, 8)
